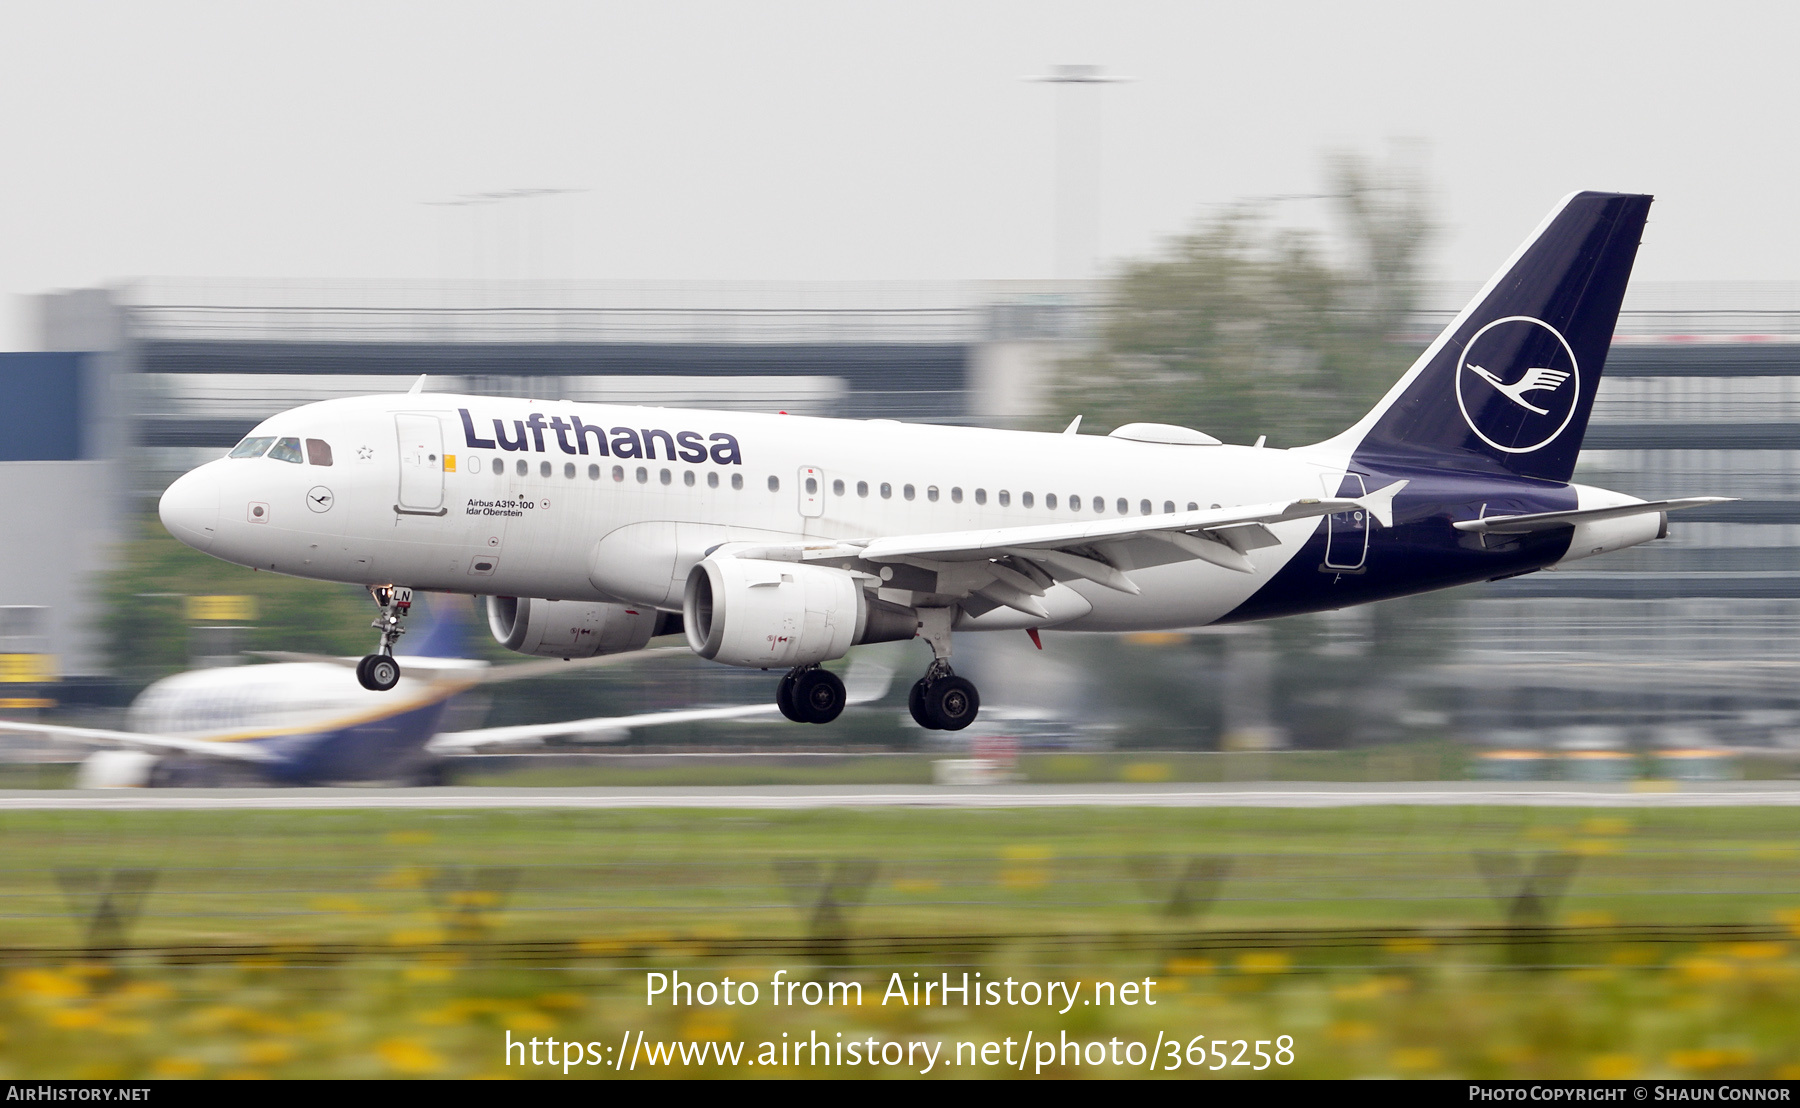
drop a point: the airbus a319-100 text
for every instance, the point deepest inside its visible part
(781, 542)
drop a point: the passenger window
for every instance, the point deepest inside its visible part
(1006, 498)
(1025, 500)
(1074, 503)
(862, 488)
(1144, 507)
(1100, 505)
(252, 448)
(887, 491)
(981, 496)
(665, 476)
(774, 483)
(812, 486)
(618, 473)
(1125, 507)
(907, 492)
(1049, 500)
(737, 480)
(318, 452)
(474, 463)
(288, 450)
(837, 488)
(712, 480)
(543, 469)
(499, 466)
(593, 472)
(931, 493)
(687, 478)
(521, 467)
(643, 475)
(568, 470)
(956, 495)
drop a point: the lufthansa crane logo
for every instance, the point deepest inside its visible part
(1518, 384)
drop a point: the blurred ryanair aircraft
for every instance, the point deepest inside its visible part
(306, 720)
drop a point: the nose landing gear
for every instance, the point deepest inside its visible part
(808, 694)
(378, 672)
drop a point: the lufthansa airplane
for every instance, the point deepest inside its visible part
(780, 542)
(306, 720)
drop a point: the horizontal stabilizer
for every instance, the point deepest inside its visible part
(1519, 525)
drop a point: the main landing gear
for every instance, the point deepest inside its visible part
(940, 700)
(378, 672)
(808, 694)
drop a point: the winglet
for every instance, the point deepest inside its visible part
(1380, 503)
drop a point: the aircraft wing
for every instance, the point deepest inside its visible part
(480, 673)
(1538, 521)
(1013, 566)
(133, 740)
(866, 681)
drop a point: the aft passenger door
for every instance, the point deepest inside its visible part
(421, 464)
(1346, 533)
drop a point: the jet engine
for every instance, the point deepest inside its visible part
(773, 615)
(572, 628)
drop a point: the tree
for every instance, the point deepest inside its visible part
(1242, 329)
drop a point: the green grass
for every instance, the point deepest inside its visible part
(442, 905)
(1415, 762)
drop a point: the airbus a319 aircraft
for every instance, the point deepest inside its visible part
(781, 542)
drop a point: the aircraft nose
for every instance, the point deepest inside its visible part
(190, 508)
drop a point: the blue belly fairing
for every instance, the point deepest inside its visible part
(385, 748)
(1422, 551)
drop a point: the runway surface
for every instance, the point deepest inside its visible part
(1547, 794)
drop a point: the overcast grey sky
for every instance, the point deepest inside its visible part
(851, 140)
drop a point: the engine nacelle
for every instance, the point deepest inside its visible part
(773, 615)
(570, 628)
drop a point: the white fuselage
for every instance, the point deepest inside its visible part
(536, 510)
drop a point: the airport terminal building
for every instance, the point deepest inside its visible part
(135, 384)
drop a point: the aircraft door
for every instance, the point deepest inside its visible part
(421, 464)
(1346, 533)
(812, 492)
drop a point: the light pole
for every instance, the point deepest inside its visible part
(475, 201)
(1077, 166)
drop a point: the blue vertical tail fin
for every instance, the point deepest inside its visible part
(1509, 384)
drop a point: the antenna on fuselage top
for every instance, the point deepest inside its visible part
(1073, 425)
(418, 386)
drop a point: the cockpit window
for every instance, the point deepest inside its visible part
(318, 452)
(252, 447)
(287, 450)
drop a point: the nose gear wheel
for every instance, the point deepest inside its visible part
(378, 672)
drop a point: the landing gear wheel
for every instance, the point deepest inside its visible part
(952, 702)
(378, 672)
(915, 703)
(784, 696)
(818, 696)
